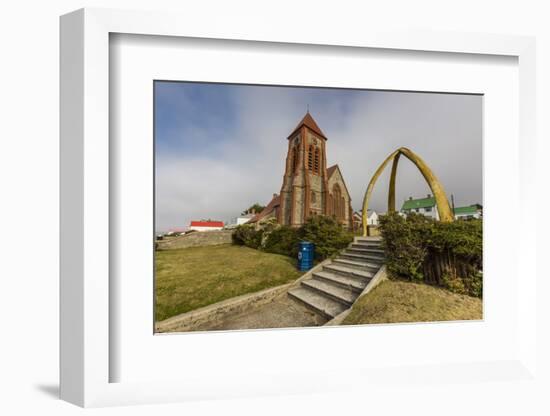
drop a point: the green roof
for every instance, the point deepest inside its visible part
(418, 203)
(472, 209)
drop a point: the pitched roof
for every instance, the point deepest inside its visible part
(275, 202)
(206, 224)
(310, 123)
(472, 209)
(331, 170)
(418, 203)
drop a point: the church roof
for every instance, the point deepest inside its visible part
(275, 202)
(330, 172)
(310, 123)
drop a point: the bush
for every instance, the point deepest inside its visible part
(247, 235)
(325, 233)
(282, 240)
(446, 254)
(403, 243)
(328, 236)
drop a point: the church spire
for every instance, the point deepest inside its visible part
(310, 123)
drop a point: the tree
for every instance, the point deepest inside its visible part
(256, 207)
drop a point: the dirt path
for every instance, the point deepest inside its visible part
(282, 312)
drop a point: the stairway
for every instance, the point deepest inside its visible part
(332, 290)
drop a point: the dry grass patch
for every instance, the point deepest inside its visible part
(190, 278)
(399, 301)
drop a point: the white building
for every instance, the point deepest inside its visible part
(372, 219)
(425, 206)
(469, 212)
(240, 220)
(243, 219)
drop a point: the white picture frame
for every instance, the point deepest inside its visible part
(86, 355)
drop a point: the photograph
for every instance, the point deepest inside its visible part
(289, 206)
(275, 208)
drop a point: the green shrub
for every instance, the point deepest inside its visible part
(403, 243)
(247, 235)
(446, 254)
(282, 240)
(326, 234)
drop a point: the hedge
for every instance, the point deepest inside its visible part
(324, 232)
(445, 254)
(327, 234)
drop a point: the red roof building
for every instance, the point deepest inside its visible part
(269, 211)
(213, 224)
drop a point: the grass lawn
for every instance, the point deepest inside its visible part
(400, 301)
(194, 277)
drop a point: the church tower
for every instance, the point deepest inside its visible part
(305, 183)
(309, 187)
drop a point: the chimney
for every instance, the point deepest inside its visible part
(253, 211)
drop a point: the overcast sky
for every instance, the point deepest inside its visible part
(220, 148)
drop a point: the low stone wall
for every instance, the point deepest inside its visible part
(212, 314)
(196, 239)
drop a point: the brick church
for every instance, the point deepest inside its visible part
(309, 187)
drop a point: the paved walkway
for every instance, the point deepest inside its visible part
(282, 312)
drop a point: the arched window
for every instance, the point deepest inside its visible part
(313, 197)
(337, 206)
(295, 156)
(310, 157)
(316, 160)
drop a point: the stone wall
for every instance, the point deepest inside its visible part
(195, 239)
(212, 315)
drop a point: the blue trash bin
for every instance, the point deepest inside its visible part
(306, 252)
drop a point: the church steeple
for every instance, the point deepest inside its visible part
(303, 192)
(310, 123)
(308, 188)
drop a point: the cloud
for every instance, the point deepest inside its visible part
(220, 153)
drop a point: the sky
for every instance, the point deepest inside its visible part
(219, 148)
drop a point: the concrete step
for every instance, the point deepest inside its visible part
(366, 249)
(371, 267)
(361, 250)
(321, 304)
(366, 246)
(356, 284)
(376, 259)
(334, 292)
(340, 268)
(368, 240)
